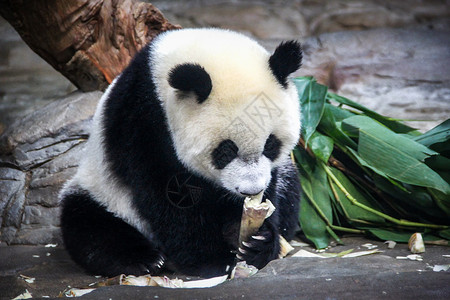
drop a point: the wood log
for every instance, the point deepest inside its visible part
(88, 41)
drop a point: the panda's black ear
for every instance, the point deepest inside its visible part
(191, 78)
(286, 59)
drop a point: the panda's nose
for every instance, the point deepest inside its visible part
(249, 194)
(249, 190)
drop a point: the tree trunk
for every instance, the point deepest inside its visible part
(88, 41)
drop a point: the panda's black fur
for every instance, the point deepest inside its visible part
(197, 238)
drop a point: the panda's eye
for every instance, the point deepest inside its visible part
(224, 154)
(272, 147)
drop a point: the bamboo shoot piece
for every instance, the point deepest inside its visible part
(253, 215)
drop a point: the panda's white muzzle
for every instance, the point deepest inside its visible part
(247, 178)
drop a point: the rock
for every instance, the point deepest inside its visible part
(39, 153)
(300, 19)
(402, 73)
(261, 21)
(26, 80)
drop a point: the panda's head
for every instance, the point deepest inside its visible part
(232, 113)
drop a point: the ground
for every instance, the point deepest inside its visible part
(374, 276)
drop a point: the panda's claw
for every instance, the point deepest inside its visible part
(258, 237)
(243, 251)
(246, 244)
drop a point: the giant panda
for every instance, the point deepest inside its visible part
(200, 119)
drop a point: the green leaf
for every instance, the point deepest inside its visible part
(412, 201)
(438, 134)
(312, 100)
(305, 163)
(441, 200)
(321, 145)
(393, 154)
(403, 236)
(365, 164)
(390, 235)
(354, 212)
(329, 126)
(445, 234)
(315, 208)
(339, 113)
(313, 225)
(395, 126)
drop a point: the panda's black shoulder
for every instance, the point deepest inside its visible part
(136, 77)
(134, 130)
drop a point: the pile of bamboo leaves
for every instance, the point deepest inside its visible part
(362, 172)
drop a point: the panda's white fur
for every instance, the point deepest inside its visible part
(94, 175)
(198, 128)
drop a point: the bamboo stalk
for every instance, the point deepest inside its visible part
(374, 211)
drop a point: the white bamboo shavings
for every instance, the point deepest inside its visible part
(295, 243)
(243, 270)
(27, 278)
(439, 268)
(361, 253)
(304, 253)
(343, 254)
(390, 244)
(74, 292)
(411, 257)
(148, 280)
(26, 295)
(369, 246)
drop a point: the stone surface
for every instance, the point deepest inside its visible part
(402, 73)
(378, 276)
(272, 19)
(26, 80)
(39, 152)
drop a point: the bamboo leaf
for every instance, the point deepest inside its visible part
(313, 225)
(388, 235)
(395, 126)
(321, 145)
(312, 100)
(438, 134)
(315, 209)
(393, 154)
(339, 113)
(329, 126)
(441, 200)
(354, 212)
(403, 236)
(445, 234)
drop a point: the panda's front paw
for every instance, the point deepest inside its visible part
(144, 266)
(261, 248)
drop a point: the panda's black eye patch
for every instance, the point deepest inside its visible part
(224, 154)
(272, 147)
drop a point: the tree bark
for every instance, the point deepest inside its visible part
(89, 41)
